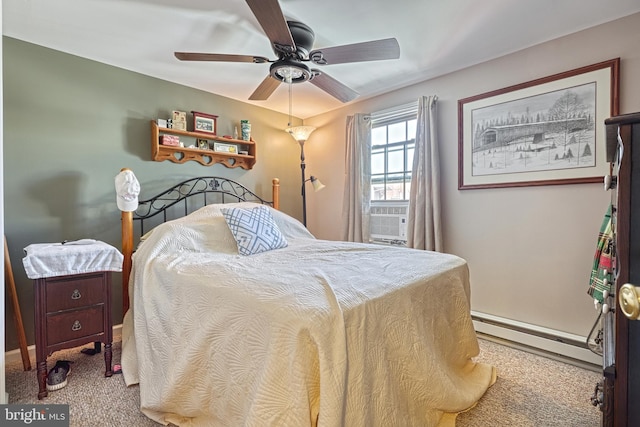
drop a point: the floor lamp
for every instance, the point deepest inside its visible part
(301, 134)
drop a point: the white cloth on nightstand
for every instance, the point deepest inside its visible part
(74, 257)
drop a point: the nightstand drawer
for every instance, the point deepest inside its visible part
(75, 324)
(74, 292)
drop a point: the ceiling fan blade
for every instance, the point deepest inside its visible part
(194, 56)
(265, 89)
(366, 51)
(273, 22)
(333, 87)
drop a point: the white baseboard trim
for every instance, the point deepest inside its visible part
(15, 356)
(551, 341)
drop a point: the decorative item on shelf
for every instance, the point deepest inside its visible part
(245, 128)
(203, 144)
(169, 123)
(171, 140)
(235, 132)
(225, 148)
(179, 120)
(162, 123)
(203, 122)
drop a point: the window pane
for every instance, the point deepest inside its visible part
(395, 191)
(377, 161)
(411, 129)
(397, 132)
(379, 135)
(396, 160)
(377, 191)
(395, 187)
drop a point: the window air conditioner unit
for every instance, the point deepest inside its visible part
(388, 223)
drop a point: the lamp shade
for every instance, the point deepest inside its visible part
(300, 133)
(317, 185)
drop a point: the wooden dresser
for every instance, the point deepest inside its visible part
(71, 311)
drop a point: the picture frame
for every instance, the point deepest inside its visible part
(202, 144)
(547, 131)
(225, 148)
(203, 122)
(179, 120)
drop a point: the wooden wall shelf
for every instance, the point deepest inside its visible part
(175, 154)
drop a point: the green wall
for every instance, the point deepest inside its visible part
(71, 124)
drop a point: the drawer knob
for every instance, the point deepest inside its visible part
(76, 294)
(76, 326)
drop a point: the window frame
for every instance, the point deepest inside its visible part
(401, 114)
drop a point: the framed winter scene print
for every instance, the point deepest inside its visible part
(543, 132)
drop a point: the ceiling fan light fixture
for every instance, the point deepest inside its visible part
(289, 71)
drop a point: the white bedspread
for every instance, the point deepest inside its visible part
(319, 333)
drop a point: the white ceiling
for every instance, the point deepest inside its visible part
(435, 36)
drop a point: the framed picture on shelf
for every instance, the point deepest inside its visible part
(225, 148)
(202, 144)
(543, 132)
(179, 120)
(203, 122)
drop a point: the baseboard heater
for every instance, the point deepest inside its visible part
(547, 340)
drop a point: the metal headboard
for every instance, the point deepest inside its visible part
(185, 198)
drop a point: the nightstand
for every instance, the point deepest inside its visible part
(72, 287)
(71, 311)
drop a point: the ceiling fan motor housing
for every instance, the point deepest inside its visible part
(290, 68)
(303, 36)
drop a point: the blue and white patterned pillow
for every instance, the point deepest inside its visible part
(254, 230)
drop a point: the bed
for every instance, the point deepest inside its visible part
(309, 333)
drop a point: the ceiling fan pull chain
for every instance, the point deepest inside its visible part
(290, 99)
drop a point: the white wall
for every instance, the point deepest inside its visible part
(529, 249)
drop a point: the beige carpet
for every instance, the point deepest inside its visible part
(531, 391)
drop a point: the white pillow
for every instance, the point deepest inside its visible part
(254, 229)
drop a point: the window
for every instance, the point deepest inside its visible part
(393, 137)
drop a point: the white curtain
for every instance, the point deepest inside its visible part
(423, 222)
(357, 185)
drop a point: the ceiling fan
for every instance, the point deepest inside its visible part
(292, 42)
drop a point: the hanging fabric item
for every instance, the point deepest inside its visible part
(601, 273)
